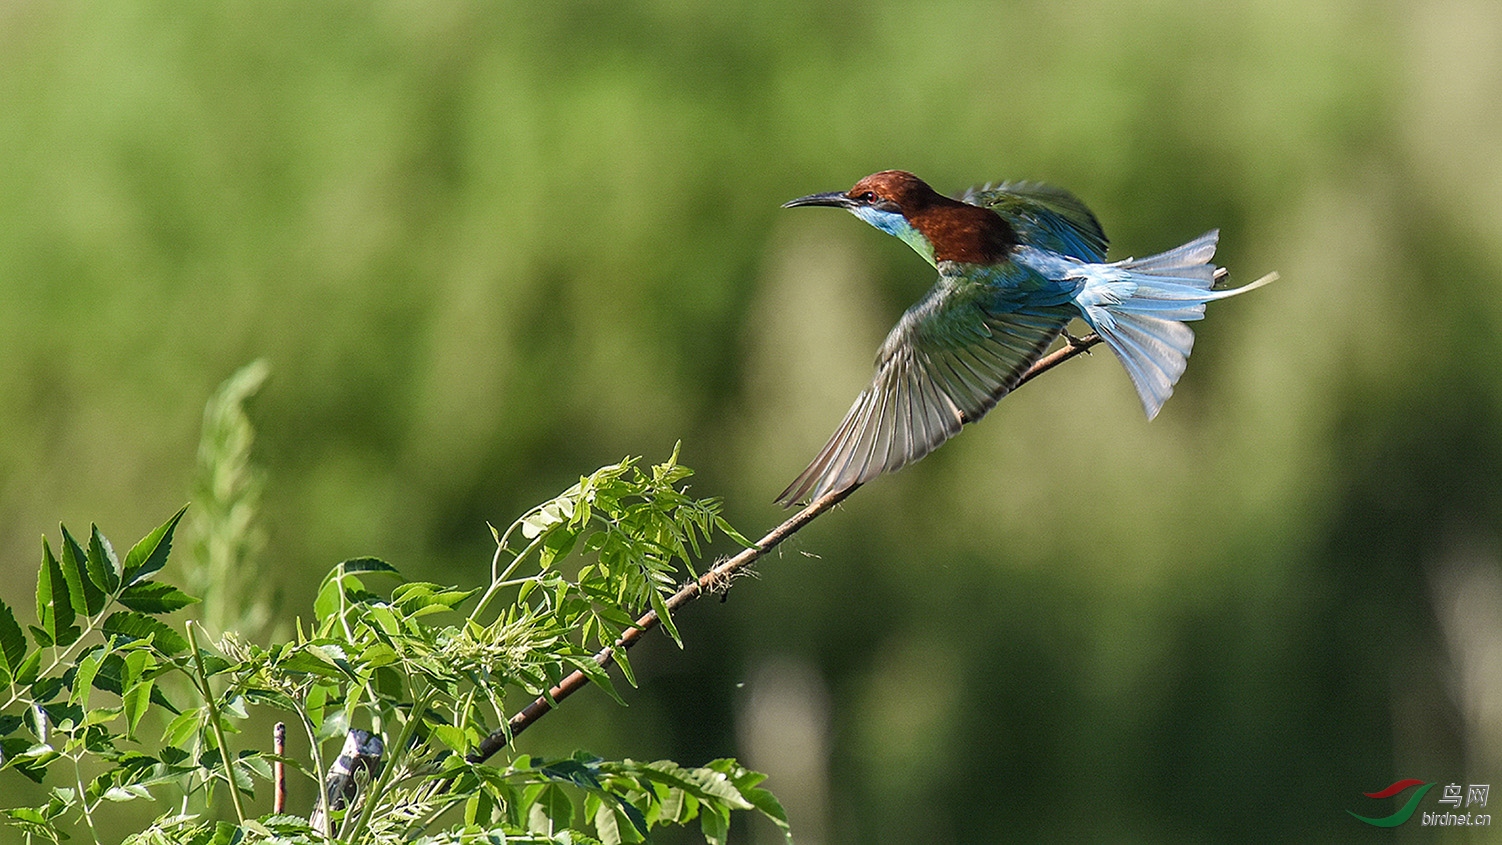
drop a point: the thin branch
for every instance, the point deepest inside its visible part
(215, 722)
(716, 579)
(278, 768)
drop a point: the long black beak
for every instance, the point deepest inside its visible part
(833, 198)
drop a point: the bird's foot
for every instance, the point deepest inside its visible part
(1077, 342)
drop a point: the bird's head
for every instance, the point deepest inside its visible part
(935, 226)
(887, 192)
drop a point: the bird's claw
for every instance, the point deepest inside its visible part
(1076, 342)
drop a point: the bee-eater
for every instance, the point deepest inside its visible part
(1016, 263)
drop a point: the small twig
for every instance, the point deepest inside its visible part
(1075, 346)
(278, 769)
(321, 805)
(88, 812)
(716, 577)
(214, 722)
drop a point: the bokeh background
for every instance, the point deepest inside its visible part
(487, 247)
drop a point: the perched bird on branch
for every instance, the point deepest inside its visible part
(1017, 262)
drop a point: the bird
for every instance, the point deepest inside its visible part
(1017, 262)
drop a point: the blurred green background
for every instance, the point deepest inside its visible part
(488, 247)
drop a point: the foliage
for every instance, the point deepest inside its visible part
(225, 572)
(490, 245)
(431, 668)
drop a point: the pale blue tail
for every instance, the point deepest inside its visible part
(1140, 307)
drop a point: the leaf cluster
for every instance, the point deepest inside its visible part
(432, 669)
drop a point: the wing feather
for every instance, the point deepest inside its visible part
(1045, 216)
(950, 359)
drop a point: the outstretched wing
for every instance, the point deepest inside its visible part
(1045, 216)
(950, 359)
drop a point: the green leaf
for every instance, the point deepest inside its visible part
(26, 758)
(274, 698)
(111, 678)
(136, 626)
(128, 792)
(83, 682)
(213, 664)
(367, 564)
(139, 690)
(104, 567)
(316, 660)
(557, 545)
(596, 674)
(418, 598)
(769, 806)
(729, 531)
(714, 823)
(130, 667)
(675, 805)
(607, 825)
(660, 607)
(43, 638)
(30, 668)
(623, 661)
(634, 816)
(384, 620)
(100, 715)
(182, 728)
(234, 705)
(75, 577)
(225, 833)
(80, 584)
(47, 688)
(704, 783)
(452, 737)
(155, 597)
(54, 606)
(552, 810)
(451, 599)
(326, 604)
(134, 703)
(27, 814)
(581, 769)
(253, 763)
(558, 511)
(12, 645)
(150, 555)
(479, 807)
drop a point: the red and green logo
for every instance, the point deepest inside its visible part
(1405, 812)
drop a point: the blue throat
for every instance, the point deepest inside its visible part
(893, 223)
